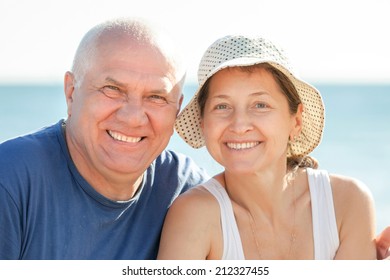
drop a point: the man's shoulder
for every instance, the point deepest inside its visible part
(30, 148)
(171, 167)
(34, 139)
(170, 159)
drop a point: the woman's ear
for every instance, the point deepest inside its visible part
(297, 125)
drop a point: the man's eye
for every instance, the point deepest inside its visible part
(111, 91)
(112, 87)
(158, 98)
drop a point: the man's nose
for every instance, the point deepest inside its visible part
(133, 112)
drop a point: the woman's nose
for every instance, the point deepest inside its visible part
(241, 122)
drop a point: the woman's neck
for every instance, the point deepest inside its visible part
(267, 191)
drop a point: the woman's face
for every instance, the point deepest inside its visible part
(246, 121)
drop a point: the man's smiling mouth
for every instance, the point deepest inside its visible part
(123, 138)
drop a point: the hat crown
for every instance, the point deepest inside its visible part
(240, 48)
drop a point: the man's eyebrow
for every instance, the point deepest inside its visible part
(159, 91)
(162, 90)
(115, 82)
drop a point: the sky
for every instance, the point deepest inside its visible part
(338, 41)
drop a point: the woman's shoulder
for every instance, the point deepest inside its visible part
(349, 194)
(191, 226)
(196, 210)
(353, 202)
(349, 187)
(195, 200)
(355, 216)
(342, 186)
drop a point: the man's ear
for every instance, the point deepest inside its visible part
(180, 103)
(69, 85)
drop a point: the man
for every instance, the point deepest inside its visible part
(98, 185)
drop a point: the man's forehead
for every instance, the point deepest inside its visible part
(151, 83)
(147, 46)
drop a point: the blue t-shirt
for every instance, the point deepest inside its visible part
(49, 211)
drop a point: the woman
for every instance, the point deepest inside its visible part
(260, 123)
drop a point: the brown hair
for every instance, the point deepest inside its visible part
(293, 99)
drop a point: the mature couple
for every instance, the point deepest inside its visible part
(99, 184)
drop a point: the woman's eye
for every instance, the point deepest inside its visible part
(221, 107)
(261, 105)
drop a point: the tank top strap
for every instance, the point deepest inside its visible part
(231, 237)
(325, 233)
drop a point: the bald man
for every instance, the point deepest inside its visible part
(98, 184)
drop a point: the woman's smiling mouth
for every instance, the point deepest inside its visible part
(242, 146)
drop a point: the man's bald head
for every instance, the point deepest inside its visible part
(139, 31)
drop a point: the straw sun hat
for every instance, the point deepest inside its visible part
(231, 51)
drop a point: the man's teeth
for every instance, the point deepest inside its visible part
(242, 146)
(123, 138)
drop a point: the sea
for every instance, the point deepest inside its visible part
(356, 139)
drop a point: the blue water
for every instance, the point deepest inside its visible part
(356, 141)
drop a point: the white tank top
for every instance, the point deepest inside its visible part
(325, 234)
